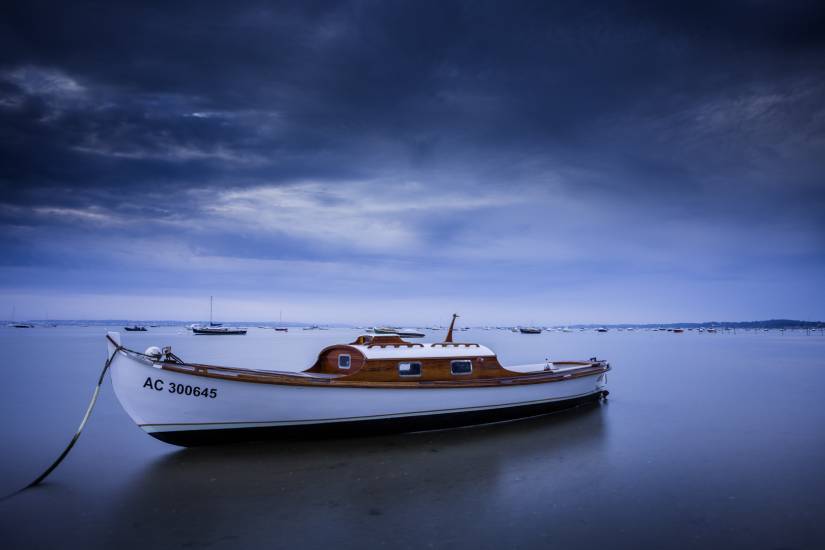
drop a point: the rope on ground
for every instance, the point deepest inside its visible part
(86, 416)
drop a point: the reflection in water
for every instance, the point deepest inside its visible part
(407, 488)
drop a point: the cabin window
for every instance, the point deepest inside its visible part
(461, 367)
(343, 361)
(409, 369)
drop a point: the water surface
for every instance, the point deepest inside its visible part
(707, 440)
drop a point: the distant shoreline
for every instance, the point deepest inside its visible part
(767, 324)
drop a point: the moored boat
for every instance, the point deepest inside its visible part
(15, 324)
(135, 328)
(529, 330)
(215, 329)
(219, 330)
(403, 332)
(377, 383)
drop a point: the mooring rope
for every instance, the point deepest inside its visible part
(86, 416)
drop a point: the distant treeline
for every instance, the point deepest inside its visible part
(771, 323)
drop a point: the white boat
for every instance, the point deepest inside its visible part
(377, 383)
(403, 332)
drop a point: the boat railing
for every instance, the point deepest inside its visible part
(454, 345)
(405, 344)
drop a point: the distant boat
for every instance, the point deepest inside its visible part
(216, 329)
(601, 329)
(280, 327)
(529, 330)
(678, 330)
(403, 332)
(135, 328)
(409, 333)
(18, 325)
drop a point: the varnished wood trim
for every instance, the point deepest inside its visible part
(264, 377)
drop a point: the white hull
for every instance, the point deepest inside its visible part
(151, 397)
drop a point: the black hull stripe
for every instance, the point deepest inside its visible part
(188, 438)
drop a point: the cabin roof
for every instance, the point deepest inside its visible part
(422, 350)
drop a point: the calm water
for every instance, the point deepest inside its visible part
(706, 441)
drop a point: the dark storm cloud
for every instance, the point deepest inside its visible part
(318, 81)
(648, 118)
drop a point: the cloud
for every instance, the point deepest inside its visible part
(92, 214)
(368, 216)
(439, 149)
(46, 82)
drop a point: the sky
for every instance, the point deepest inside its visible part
(395, 162)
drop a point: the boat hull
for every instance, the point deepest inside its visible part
(377, 426)
(218, 331)
(165, 405)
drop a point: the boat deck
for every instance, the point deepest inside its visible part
(513, 375)
(547, 367)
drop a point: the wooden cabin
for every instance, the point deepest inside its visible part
(389, 358)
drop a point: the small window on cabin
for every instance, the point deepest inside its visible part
(409, 369)
(343, 361)
(461, 367)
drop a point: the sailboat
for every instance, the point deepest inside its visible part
(18, 325)
(281, 327)
(216, 328)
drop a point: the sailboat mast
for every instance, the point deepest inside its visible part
(210, 310)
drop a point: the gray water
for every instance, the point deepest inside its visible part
(707, 440)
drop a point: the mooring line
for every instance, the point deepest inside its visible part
(68, 448)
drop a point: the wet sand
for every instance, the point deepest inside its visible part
(706, 441)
